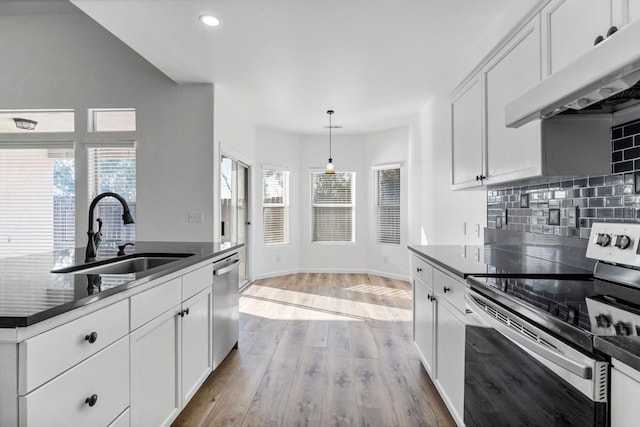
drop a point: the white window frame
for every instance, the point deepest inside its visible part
(284, 205)
(376, 205)
(352, 205)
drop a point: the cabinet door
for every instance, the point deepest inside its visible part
(155, 387)
(197, 336)
(424, 316)
(623, 386)
(513, 153)
(466, 135)
(450, 357)
(633, 10)
(569, 28)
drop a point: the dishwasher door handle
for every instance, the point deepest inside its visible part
(228, 268)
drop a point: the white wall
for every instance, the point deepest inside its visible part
(386, 148)
(57, 57)
(279, 149)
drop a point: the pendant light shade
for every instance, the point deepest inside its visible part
(330, 170)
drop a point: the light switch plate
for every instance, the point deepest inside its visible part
(196, 217)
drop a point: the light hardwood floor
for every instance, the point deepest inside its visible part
(321, 350)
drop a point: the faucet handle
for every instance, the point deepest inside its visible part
(122, 247)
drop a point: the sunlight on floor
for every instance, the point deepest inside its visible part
(381, 290)
(284, 304)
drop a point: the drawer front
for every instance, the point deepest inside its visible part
(152, 303)
(422, 269)
(122, 421)
(197, 280)
(49, 354)
(63, 401)
(450, 289)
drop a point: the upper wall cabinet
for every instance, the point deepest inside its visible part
(632, 9)
(512, 153)
(467, 141)
(569, 29)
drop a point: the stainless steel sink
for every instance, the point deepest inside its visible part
(129, 264)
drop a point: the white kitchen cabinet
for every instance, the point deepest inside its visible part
(155, 370)
(424, 328)
(512, 153)
(625, 382)
(92, 393)
(450, 352)
(569, 28)
(171, 354)
(439, 331)
(197, 338)
(467, 140)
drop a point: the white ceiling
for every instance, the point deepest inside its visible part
(285, 62)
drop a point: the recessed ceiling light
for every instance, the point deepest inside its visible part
(210, 20)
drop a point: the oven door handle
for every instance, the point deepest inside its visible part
(580, 369)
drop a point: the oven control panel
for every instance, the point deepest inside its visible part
(607, 319)
(615, 243)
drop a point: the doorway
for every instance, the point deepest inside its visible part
(234, 209)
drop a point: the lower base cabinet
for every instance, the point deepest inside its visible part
(625, 382)
(155, 392)
(439, 331)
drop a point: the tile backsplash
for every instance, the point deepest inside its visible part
(537, 208)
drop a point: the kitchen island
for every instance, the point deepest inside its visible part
(118, 349)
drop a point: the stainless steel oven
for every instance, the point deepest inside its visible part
(531, 354)
(526, 367)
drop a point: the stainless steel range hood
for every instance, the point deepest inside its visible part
(609, 71)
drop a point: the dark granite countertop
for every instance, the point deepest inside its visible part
(30, 293)
(496, 262)
(624, 348)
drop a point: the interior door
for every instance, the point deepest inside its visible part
(234, 208)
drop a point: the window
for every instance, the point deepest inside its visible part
(275, 206)
(113, 169)
(333, 207)
(387, 184)
(112, 119)
(37, 199)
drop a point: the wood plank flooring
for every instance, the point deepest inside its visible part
(321, 350)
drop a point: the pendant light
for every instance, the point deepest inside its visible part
(330, 169)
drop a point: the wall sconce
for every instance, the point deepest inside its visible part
(25, 124)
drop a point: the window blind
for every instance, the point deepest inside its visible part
(388, 206)
(113, 169)
(275, 206)
(333, 206)
(37, 200)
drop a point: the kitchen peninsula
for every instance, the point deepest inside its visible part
(133, 348)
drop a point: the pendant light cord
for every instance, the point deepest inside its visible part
(330, 112)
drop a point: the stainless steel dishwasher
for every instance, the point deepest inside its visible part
(226, 311)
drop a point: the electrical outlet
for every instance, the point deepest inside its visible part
(278, 258)
(196, 217)
(572, 216)
(385, 259)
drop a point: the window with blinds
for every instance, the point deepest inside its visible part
(333, 207)
(113, 169)
(275, 206)
(37, 199)
(387, 184)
